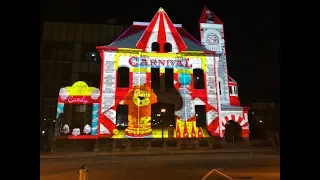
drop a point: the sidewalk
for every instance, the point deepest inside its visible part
(56, 155)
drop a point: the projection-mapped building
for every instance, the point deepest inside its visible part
(158, 81)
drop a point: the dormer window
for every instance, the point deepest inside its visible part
(167, 47)
(155, 46)
(233, 90)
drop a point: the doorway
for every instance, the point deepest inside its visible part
(233, 132)
(162, 119)
(77, 116)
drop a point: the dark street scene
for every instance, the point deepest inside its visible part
(195, 166)
(177, 90)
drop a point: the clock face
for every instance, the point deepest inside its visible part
(212, 39)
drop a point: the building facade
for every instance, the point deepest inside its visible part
(157, 81)
(68, 54)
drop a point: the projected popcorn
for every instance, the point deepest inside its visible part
(63, 94)
(65, 129)
(76, 131)
(95, 94)
(87, 129)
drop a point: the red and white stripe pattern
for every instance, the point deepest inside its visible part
(107, 115)
(241, 121)
(161, 30)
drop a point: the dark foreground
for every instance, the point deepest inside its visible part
(166, 167)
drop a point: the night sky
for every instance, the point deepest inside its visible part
(252, 31)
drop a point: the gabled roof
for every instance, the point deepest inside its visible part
(161, 30)
(208, 16)
(230, 79)
(142, 34)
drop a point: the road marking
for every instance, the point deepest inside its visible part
(222, 174)
(208, 174)
(216, 170)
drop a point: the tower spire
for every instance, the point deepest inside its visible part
(161, 30)
(208, 16)
(161, 9)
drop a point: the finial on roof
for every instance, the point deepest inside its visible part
(161, 9)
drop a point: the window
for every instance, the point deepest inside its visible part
(69, 51)
(46, 49)
(219, 88)
(169, 78)
(87, 50)
(167, 47)
(93, 57)
(122, 116)
(123, 77)
(198, 78)
(155, 46)
(61, 51)
(48, 83)
(201, 117)
(58, 77)
(233, 90)
(155, 78)
(54, 53)
(84, 67)
(66, 74)
(96, 81)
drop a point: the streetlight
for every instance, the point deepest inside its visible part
(162, 111)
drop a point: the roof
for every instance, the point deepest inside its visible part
(231, 80)
(208, 16)
(142, 34)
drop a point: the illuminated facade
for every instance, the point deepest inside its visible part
(156, 64)
(81, 97)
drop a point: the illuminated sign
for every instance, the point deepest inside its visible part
(78, 100)
(147, 62)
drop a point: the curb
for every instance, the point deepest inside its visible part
(150, 153)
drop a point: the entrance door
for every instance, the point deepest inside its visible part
(233, 132)
(162, 119)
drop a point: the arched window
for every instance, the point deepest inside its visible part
(167, 47)
(155, 46)
(233, 90)
(123, 77)
(198, 78)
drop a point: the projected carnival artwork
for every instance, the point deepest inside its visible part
(79, 95)
(157, 81)
(139, 100)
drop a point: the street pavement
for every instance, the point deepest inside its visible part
(53, 155)
(257, 166)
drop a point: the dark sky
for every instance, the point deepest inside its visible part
(252, 31)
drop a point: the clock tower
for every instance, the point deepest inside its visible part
(211, 31)
(212, 37)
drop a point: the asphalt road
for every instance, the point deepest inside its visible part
(166, 167)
